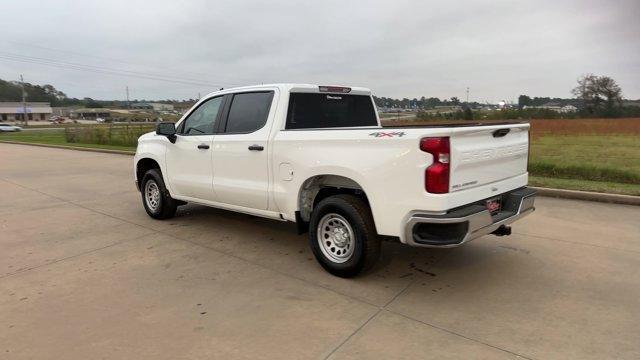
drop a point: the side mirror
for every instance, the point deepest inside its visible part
(167, 129)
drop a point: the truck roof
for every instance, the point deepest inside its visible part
(293, 87)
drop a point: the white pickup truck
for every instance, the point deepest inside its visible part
(318, 156)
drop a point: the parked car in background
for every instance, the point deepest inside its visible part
(318, 156)
(99, 120)
(57, 120)
(9, 128)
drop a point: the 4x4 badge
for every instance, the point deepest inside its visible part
(388, 134)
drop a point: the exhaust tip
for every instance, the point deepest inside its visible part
(503, 230)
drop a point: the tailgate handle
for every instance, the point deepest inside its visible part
(500, 132)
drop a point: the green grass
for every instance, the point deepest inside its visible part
(55, 137)
(609, 158)
(585, 185)
(601, 163)
(584, 171)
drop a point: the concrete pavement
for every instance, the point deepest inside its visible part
(84, 273)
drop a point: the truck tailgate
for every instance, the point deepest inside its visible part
(482, 156)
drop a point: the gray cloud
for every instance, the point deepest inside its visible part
(500, 49)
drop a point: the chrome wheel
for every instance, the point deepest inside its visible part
(336, 238)
(152, 195)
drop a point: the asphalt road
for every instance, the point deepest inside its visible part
(85, 274)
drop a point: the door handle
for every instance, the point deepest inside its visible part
(500, 132)
(256, 147)
(203, 146)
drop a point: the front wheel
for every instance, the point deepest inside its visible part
(343, 235)
(155, 196)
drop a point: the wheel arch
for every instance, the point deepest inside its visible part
(143, 165)
(319, 187)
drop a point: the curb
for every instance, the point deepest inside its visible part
(588, 195)
(542, 191)
(106, 151)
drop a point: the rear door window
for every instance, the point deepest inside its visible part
(248, 112)
(308, 111)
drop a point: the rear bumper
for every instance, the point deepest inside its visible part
(466, 223)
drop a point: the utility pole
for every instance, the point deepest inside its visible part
(24, 102)
(128, 104)
(467, 95)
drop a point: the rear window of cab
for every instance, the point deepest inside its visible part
(312, 110)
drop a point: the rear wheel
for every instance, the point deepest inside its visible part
(155, 196)
(343, 236)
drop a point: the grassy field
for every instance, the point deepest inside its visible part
(612, 158)
(601, 155)
(602, 163)
(585, 185)
(56, 137)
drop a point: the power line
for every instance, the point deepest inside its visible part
(110, 59)
(103, 70)
(96, 69)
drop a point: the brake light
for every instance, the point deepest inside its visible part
(436, 179)
(334, 89)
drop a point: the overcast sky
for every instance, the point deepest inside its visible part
(499, 49)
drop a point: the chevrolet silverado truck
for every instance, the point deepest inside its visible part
(318, 156)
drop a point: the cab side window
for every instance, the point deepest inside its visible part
(202, 120)
(248, 112)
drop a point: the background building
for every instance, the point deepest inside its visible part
(89, 113)
(152, 106)
(14, 111)
(553, 106)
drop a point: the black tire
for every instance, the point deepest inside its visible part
(166, 206)
(356, 213)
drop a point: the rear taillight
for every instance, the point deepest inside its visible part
(436, 179)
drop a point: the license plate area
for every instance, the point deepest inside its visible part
(494, 205)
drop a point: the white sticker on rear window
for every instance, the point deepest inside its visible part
(334, 97)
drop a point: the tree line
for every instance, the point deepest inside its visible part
(12, 91)
(422, 103)
(595, 96)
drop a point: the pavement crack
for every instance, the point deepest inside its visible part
(69, 257)
(458, 334)
(415, 278)
(353, 333)
(382, 308)
(576, 242)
